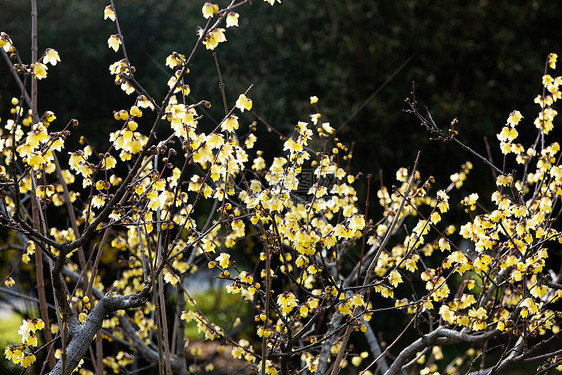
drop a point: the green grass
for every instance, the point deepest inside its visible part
(220, 307)
(9, 325)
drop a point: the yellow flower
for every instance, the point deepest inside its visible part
(28, 360)
(470, 201)
(100, 185)
(9, 282)
(232, 19)
(114, 42)
(443, 198)
(188, 315)
(213, 38)
(356, 361)
(271, 2)
(435, 217)
(109, 162)
(395, 278)
(504, 180)
(529, 306)
(315, 117)
(5, 41)
(109, 13)
(26, 327)
(243, 103)
(514, 118)
(246, 277)
(444, 244)
(237, 352)
(175, 59)
(223, 260)
(31, 340)
(287, 301)
(327, 128)
(313, 99)
(250, 141)
(507, 134)
(269, 368)
(357, 222)
(51, 57)
(39, 70)
(552, 60)
(82, 317)
(230, 124)
(209, 10)
(357, 300)
(135, 111)
(478, 314)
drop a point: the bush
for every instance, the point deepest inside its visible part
(121, 229)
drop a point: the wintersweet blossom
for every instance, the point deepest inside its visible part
(39, 70)
(243, 103)
(114, 42)
(209, 10)
(213, 38)
(108, 12)
(232, 19)
(230, 124)
(5, 42)
(287, 301)
(552, 60)
(51, 57)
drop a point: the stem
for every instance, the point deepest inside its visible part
(267, 300)
(34, 59)
(34, 204)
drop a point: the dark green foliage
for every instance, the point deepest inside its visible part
(469, 61)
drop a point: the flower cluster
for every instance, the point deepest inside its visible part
(23, 353)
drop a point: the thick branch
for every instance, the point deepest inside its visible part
(81, 335)
(178, 364)
(441, 336)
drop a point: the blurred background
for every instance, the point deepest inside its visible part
(473, 60)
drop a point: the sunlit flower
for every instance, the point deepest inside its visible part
(243, 103)
(209, 10)
(109, 13)
(5, 41)
(232, 19)
(552, 60)
(395, 278)
(287, 301)
(230, 124)
(39, 70)
(224, 260)
(213, 38)
(114, 42)
(28, 360)
(315, 117)
(250, 141)
(327, 128)
(51, 57)
(175, 59)
(9, 282)
(514, 118)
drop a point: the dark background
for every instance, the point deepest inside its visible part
(475, 60)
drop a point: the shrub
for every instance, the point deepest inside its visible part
(121, 230)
